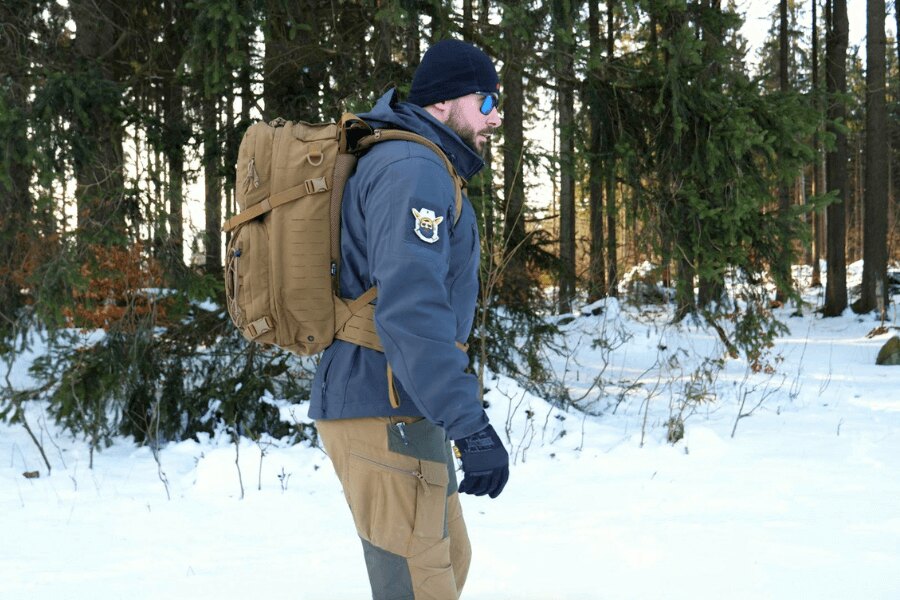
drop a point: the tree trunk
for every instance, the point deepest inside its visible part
(15, 168)
(597, 268)
(855, 226)
(382, 51)
(783, 46)
(874, 281)
(176, 137)
(297, 59)
(818, 172)
(440, 20)
(612, 263)
(711, 285)
(783, 265)
(516, 287)
(565, 76)
(468, 27)
(411, 50)
(684, 289)
(99, 130)
(213, 188)
(836, 42)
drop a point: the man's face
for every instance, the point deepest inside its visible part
(466, 120)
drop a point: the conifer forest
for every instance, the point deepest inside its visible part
(646, 152)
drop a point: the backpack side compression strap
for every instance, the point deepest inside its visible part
(310, 186)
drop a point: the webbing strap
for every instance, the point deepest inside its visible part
(393, 397)
(310, 186)
(258, 327)
(354, 320)
(381, 135)
(343, 167)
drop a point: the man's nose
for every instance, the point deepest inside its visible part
(494, 119)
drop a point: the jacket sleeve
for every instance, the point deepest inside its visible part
(409, 263)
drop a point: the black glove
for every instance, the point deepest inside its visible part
(485, 463)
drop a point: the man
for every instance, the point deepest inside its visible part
(400, 233)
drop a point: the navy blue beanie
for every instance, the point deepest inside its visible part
(451, 69)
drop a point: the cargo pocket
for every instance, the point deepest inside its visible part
(397, 503)
(431, 504)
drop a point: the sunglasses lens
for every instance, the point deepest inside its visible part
(488, 104)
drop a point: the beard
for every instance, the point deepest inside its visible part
(467, 133)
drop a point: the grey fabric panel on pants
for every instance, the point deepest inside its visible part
(401, 487)
(423, 440)
(388, 574)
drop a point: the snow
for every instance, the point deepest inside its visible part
(802, 502)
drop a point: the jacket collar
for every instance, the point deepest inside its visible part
(403, 115)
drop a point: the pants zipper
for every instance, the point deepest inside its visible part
(417, 474)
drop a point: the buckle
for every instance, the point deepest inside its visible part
(313, 186)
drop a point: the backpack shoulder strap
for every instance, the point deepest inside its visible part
(382, 135)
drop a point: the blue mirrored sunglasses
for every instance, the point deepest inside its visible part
(490, 102)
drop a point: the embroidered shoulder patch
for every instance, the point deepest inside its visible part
(427, 222)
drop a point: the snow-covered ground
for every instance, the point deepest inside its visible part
(802, 502)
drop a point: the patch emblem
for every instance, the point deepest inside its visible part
(427, 225)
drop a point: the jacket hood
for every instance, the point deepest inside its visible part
(388, 112)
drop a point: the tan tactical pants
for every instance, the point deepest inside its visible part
(399, 480)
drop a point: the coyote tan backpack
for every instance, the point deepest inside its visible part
(283, 257)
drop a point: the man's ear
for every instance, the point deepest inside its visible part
(440, 110)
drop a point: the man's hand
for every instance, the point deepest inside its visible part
(485, 463)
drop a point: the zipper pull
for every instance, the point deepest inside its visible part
(401, 429)
(252, 178)
(421, 478)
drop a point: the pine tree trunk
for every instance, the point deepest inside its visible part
(176, 129)
(516, 285)
(874, 282)
(468, 27)
(565, 76)
(783, 266)
(98, 165)
(213, 188)
(297, 58)
(382, 51)
(685, 303)
(818, 172)
(711, 286)
(895, 164)
(440, 20)
(411, 49)
(836, 161)
(612, 263)
(783, 46)
(897, 30)
(597, 267)
(15, 170)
